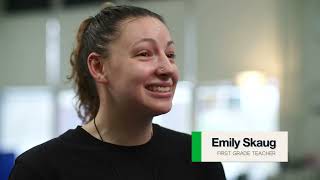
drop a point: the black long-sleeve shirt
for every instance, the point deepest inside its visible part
(78, 155)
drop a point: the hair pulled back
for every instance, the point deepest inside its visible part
(95, 35)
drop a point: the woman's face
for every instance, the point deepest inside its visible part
(141, 72)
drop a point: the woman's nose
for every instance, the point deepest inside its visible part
(165, 67)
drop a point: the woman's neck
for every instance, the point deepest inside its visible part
(120, 128)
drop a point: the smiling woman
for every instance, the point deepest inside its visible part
(124, 72)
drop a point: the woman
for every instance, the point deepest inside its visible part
(125, 74)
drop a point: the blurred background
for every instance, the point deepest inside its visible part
(245, 65)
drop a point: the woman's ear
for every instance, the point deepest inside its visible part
(96, 67)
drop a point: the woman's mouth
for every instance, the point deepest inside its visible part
(158, 91)
(161, 89)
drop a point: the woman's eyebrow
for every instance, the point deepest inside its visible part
(170, 43)
(144, 40)
(151, 41)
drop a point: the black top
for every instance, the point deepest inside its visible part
(78, 155)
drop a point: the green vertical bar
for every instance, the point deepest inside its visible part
(196, 147)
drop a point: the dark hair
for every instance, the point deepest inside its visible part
(95, 35)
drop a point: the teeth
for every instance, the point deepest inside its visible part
(159, 89)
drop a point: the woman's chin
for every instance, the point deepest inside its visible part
(160, 113)
(159, 110)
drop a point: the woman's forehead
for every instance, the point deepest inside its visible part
(133, 30)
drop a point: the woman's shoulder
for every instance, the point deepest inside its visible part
(33, 164)
(41, 153)
(178, 142)
(178, 145)
(170, 134)
(38, 152)
(39, 160)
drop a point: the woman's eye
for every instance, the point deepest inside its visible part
(171, 55)
(144, 54)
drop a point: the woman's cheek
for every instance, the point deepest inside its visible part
(176, 73)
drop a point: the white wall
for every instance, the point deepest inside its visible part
(237, 35)
(292, 107)
(22, 49)
(300, 99)
(310, 80)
